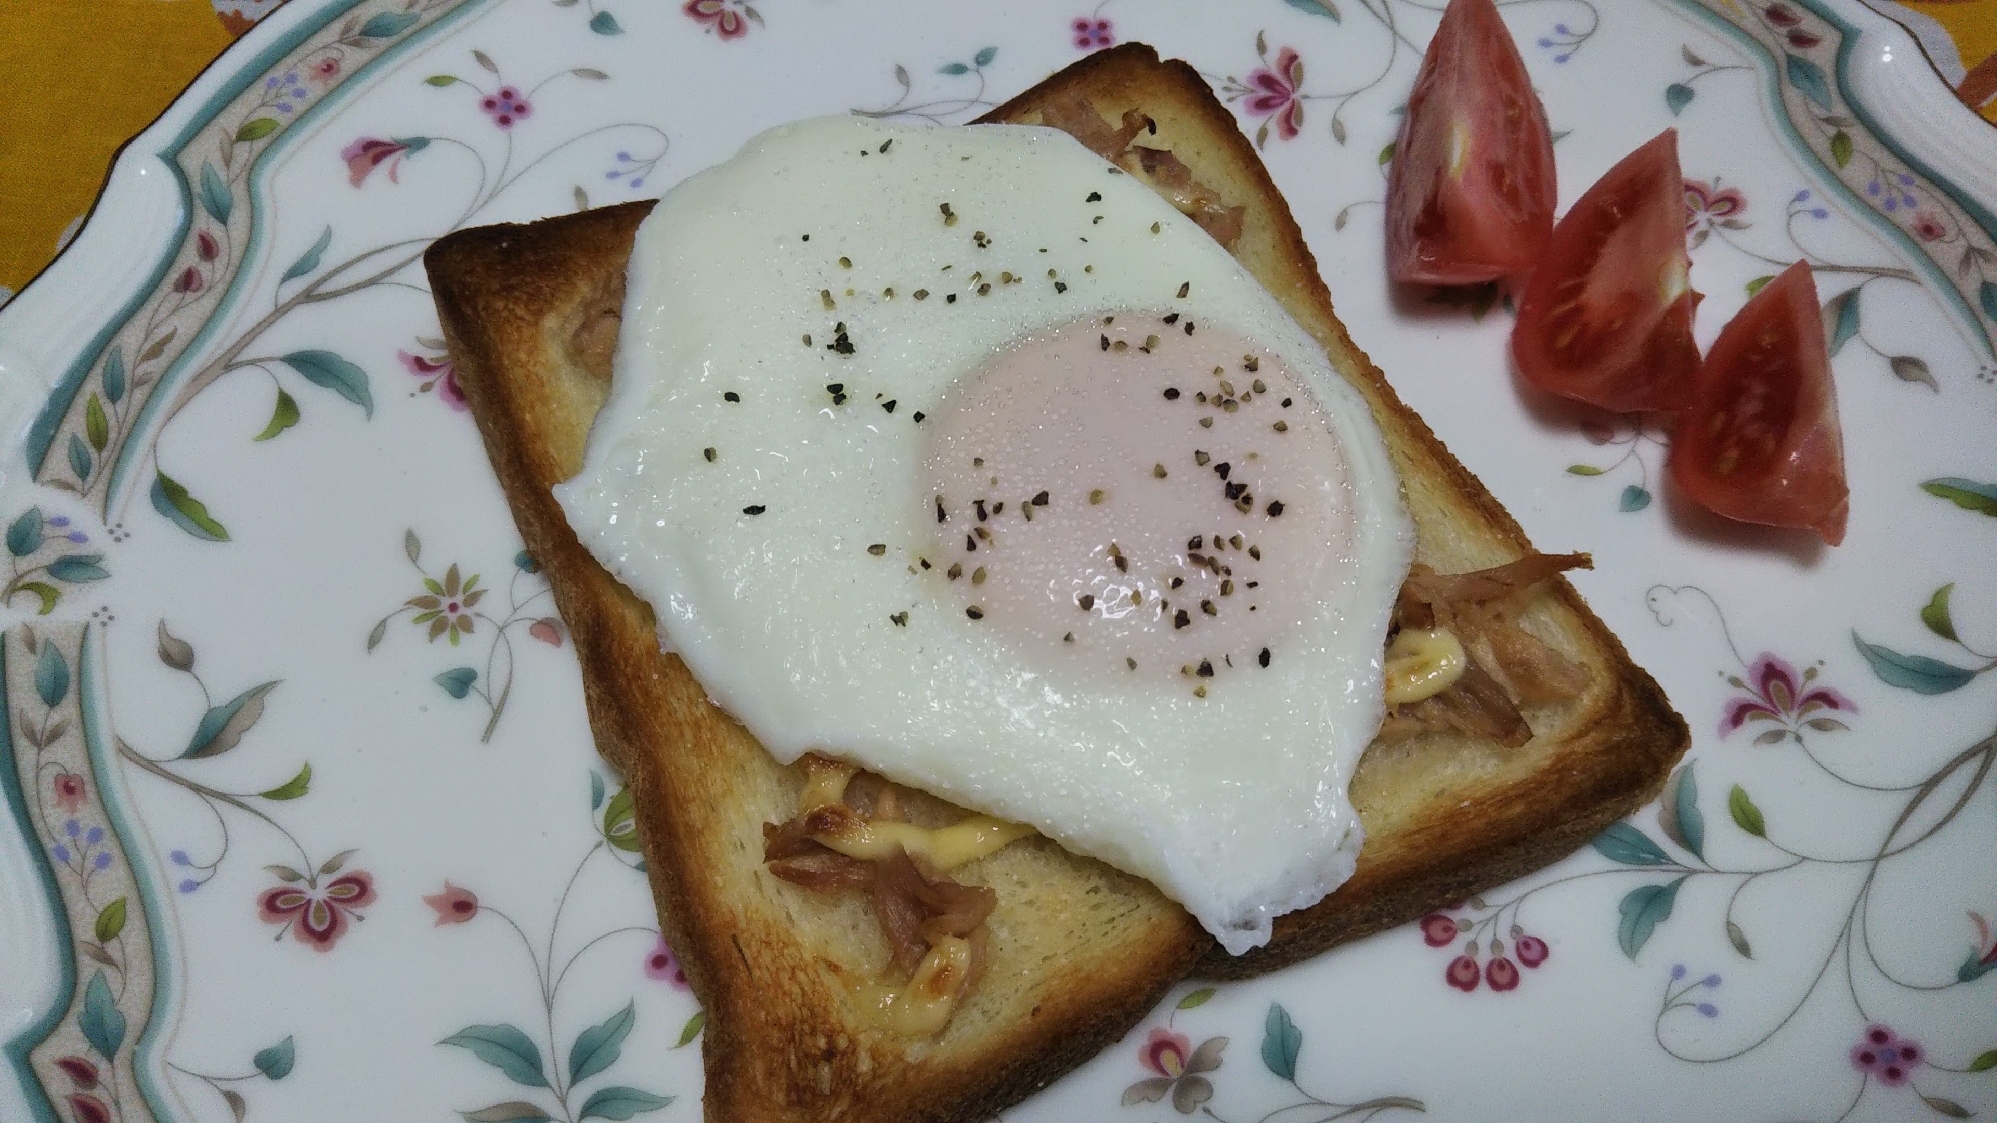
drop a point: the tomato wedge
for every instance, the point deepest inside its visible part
(1470, 194)
(1760, 440)
(1607, 315)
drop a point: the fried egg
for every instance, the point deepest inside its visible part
(959, 454)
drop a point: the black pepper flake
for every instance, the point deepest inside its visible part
(886, 143)
(1172, 318)
(998, 507)
(1196, 542)
(1286, 403)
(1105, 343)
(951, 299)
(878, 548)
(1236, 491)
(1060, 286)
(1039, 500)
(975, 613)
(1255, 584)
(1181, 618)
(1087, 601)
(888, 405)
(941, 514)
(979, 506)
(919, 415)
(754, 509)
(1184, 288)
(970, 543)
(1095, 220)
(1227, 588)
(925, 563)
(709, 453)
(1122, 564)
(807, 237)
(981, 239)
(1255, 552)
(1069, 638)
(1171, 393)
(955, 571)
(1189, 327)
(1094, 197)
(1275, 507)
(1207, 607)
(900, 619)
(1253, 364)
(1129, 662)
(1178, 581)
(985, 289)
(1235, 541)
(1155, 227)
(1206, 669)
(1222, 469)
(1263, 658)
(731, 396)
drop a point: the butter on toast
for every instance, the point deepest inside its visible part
(1078, 952)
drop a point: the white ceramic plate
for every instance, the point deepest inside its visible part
(275, 847)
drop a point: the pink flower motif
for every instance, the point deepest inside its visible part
(505, 107)
(663, 965)
(453, 905)
(1437, 929)
(1983, 957)
(70, 790)
(205, 246)
(1775, 692)
(88, 1109)
(439, 374)
(190, 281)
(368, 153)
(1093, 34)
(1462, 973)
(81, 1072)
(317, 916)
(548, 630)
(1165, 1052)
(325, 70)
(717, 17)
(1885, 1056)
(1177, 1066)
(1709, 203)
(1501, 973)
(1532, 950)
(1927, 227)
(1276, 93)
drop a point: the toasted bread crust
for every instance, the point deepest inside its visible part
(530, 314)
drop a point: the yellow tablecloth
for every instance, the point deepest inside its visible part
(83, 77)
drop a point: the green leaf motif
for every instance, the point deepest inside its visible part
(1197, 998)
(1949, 1108)
(51, 676)
(24, 534)
(1680, 816)
(1935, 613)
(114, 375)
(1677, 96)
(1745, 814)
(276, 1061)
(95, 425)
(1643, 909)
(256, 128)
(80, 460)
(310, 260)
(595, 790)
(324, 368)
(1628, 846)
(505, 1048)
(215, 197)
(282, 416)
(599, 1046)
(1984, 1062)
(1633, 499)
(1841, 147)
(1986, 296)
(1912, 368)
(110, 921)
(293, 788)
(1917, 673)
(620, 822)
(223, 726)
(512, 1111)
(1318, 8)
(985, 56)
(441, 80)
(691, 1029)
(1281, 1042)
(1966, 494)
(188, 513)
(75, 569)
(48, 594)
(1841, 319)
(102, 1023)
(618, 1102)
(1759, 283)
(953, 69)
(1974, 968)
(457, 682)
(386, 25)
(1387, 154)
(1808, 77)
(1584, 470)
(603, 23)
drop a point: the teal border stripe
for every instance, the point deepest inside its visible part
(98, 739)
(37, 1031)
(259, 175)
(1827, 179)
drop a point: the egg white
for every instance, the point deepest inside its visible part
(1234, 804)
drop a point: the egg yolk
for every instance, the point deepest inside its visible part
(1128, 496)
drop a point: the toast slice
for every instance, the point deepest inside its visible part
(1078, 952)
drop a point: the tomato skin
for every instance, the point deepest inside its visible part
(1607, 316)
(1760, 441)
(1470, 194)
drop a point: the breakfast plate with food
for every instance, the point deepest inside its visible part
(1309, 560)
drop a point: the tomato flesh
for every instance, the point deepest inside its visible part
(1760, 440)
(1607, 316)
(1470, 194)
